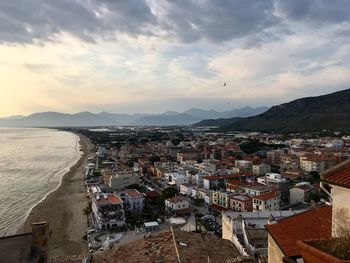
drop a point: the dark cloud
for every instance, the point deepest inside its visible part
(316, 11)
(218, 20)
(184, 20)
(24, 21)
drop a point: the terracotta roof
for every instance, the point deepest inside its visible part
(113, 199)
(315, 223)
(339, 175)
(266, 196)
(217, 207)
(110, 199)
(153, 193)
(176, 199)
(133, 193)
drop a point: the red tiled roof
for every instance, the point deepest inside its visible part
(266, 196)
(217, 207)
(107, 199)
(315, 223)
(133, 193)
(153, 193)
(339, 175)
(235, 182)
(114, 200)
(229, 176)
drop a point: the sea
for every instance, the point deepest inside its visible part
(32, 164)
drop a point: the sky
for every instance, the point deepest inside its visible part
(148, 56)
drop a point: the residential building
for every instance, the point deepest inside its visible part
(123, 179)
(107, 211)
(312, 164)
(269, 201)
(176, 204)
(244, 166)
(219, 181)
(241, 203)
(135, 200)
(261, 169)
(238, 226)
(206, 195)
(255, 188)
(176, 179)
(222, 198)
(300, 193)
(284, 233)
(339, 180)
(186, 189)
(274, 157)
(276, 181)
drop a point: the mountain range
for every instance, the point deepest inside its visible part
(56, 119)
(326, 112)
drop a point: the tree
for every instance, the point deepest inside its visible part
(154, 158)
(169, 192)
(314, 177)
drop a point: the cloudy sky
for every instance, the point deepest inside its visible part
(153, 56)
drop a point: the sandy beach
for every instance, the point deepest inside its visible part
(63, 209)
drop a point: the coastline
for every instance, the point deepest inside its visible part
(63, 209)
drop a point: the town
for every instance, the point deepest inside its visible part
(141, 181)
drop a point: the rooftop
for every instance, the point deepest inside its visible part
(266, 196)
(107, 199)
(315, 223)
(176, 199)
(338, 175)
(241, 197)
(133, 193)
(176, 246)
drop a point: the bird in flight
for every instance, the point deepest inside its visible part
(224, 84)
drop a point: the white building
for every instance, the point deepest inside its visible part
(237, 225)
(277, 181)
(176, 203)
(339, 179)
(299, 193)
(269, 201)
(107, 211)
(186, 189)
(135, 200)
(176, 179)
(123, 179)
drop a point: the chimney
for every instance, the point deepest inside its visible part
(40, 239)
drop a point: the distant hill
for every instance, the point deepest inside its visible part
(216, 122)
(212, 114)
(84, 119)
(166, 120)
(326, 112)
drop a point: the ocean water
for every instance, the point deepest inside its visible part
(32, 164)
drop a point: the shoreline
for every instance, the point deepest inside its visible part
(63, 209)
(22, 227)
